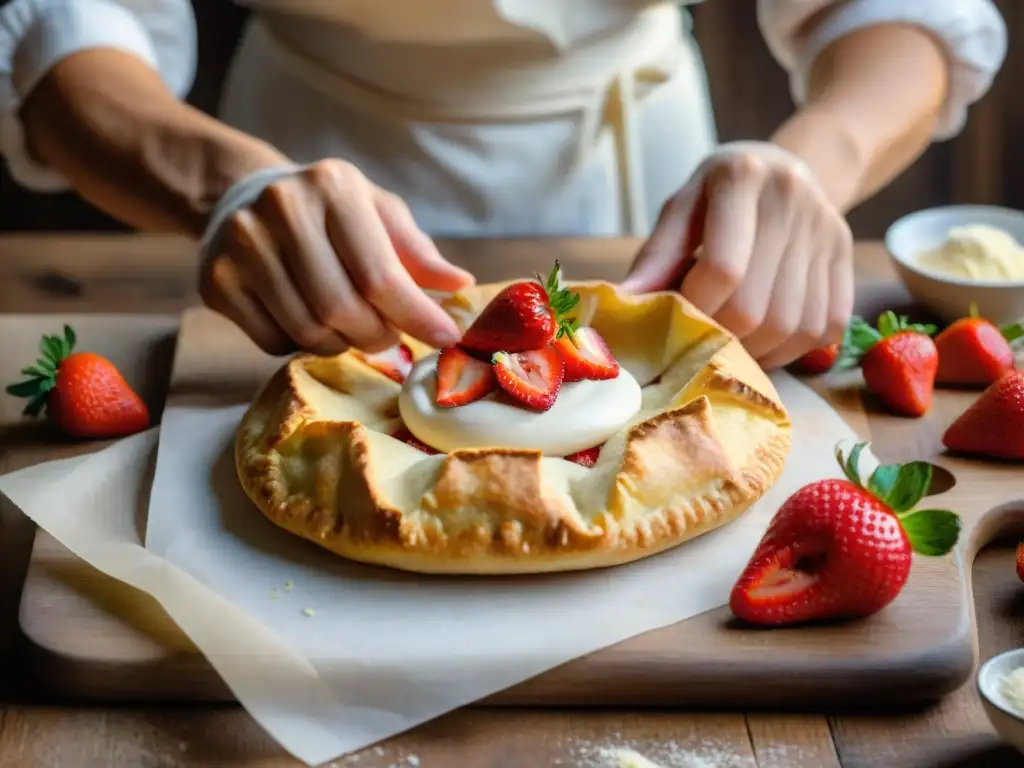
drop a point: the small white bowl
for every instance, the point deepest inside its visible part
(1008, 724)
(946, 296)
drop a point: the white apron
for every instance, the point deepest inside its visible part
(488, 117)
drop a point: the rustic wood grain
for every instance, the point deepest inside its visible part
(43, 737)
(89, 641)
(953, 733)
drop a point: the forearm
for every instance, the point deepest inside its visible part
(106, 121)
(873, 100)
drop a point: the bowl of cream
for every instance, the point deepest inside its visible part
(1000, 682)
(954, 256)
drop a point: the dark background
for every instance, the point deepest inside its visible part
(751, 98)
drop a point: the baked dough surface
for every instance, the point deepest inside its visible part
(314, 453)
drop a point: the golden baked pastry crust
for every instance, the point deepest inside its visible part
(314, 453)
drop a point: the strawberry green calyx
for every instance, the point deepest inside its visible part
(861, 336)
(1013, 333)
(43, 375)
(900, 487)
(561, 300)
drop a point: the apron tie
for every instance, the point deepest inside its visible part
(601, 102)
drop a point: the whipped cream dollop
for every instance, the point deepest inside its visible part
(585, 414)
(977, 252)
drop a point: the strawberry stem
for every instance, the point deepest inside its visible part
(561, 300)
(900, 487)
(43, 375)
(861, 336)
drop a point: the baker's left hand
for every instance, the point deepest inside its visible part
(758, 246)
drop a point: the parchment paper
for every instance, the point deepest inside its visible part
(330, 656)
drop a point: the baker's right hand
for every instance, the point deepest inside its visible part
(324, 260)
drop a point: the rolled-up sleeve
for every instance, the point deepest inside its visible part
(972, 32)
(36, 34)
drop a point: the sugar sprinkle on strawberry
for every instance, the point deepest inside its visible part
(841, 548)
(533, 378)
(82, 393)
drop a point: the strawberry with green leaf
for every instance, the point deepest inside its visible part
(83, 393)
(975, 352)
(526, 315)
(899, 361)
(841, 548)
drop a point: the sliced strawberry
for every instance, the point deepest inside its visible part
(586, 457)
(586, 355)
(533, 378)
(409, 438)
(461, 379)
(394, 362)
(1020, 561)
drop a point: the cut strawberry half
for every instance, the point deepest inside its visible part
(585, 458)
(780, 586)
(461, 379)
(409, 438)
(533, 378)
(586, 355)
(394, 362)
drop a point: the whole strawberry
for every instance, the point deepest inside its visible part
(525, 316)
(898, 359)
(817, 361)
(83, 393)
(974, 352)
(993, 425)
(840, 549)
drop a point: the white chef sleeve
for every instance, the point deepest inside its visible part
(972, 32)
(36, 34)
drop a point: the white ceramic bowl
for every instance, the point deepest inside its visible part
(1008, 724)
(950, 297)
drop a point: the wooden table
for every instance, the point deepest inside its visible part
(156, 276)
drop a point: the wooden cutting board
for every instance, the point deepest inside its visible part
(90, 637)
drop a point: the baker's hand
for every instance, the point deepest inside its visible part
(775, 258)
(324, 260)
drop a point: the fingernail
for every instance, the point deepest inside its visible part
(464, 275)
(446, 335)
(446, 340)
